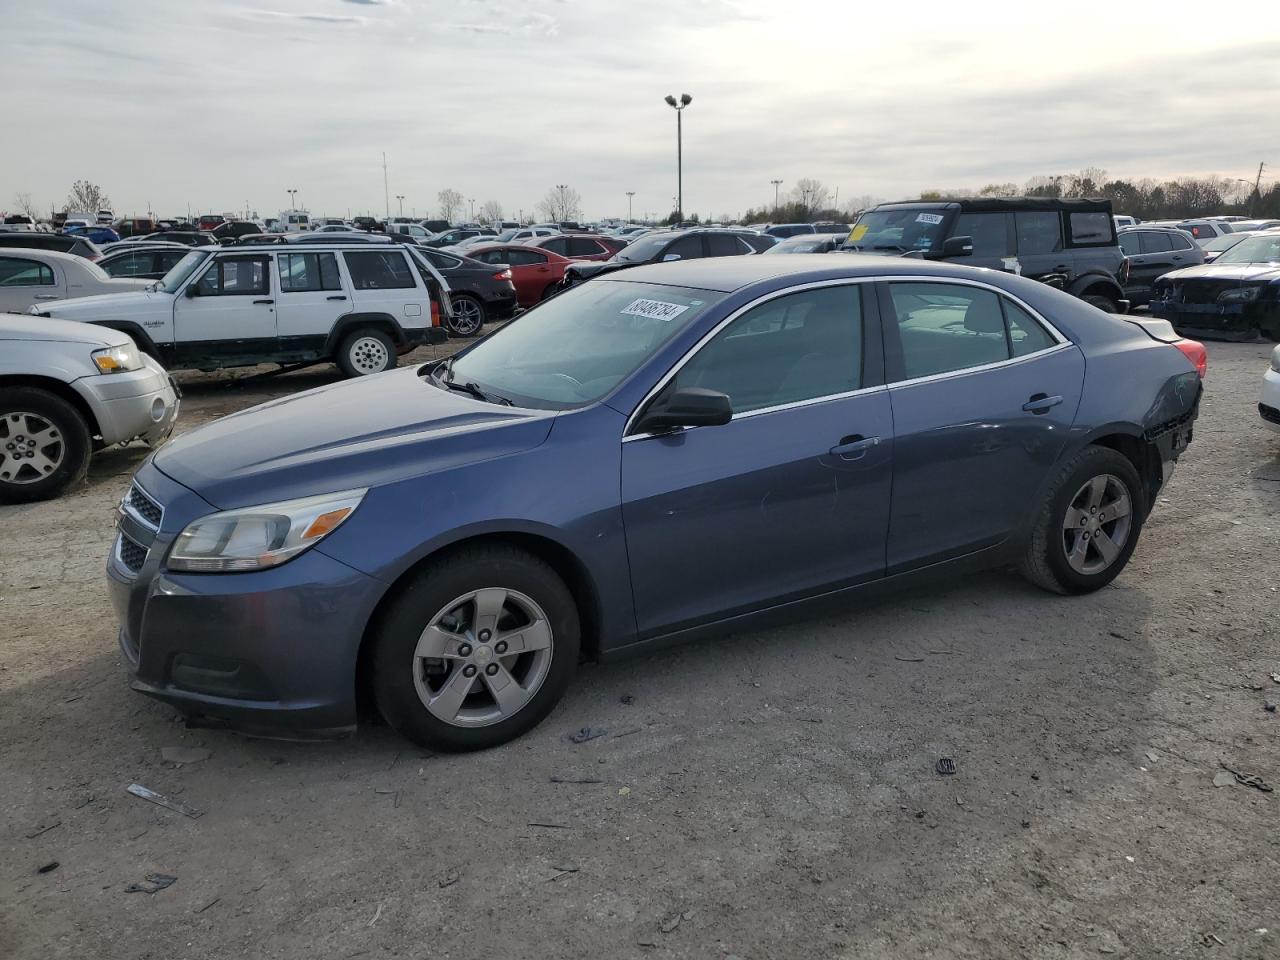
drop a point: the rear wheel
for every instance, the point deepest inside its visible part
(1088, 525)
(468, 316)
(476, 650)
(44, 445)
(1105, 304)
(366, 351)
(551, 291)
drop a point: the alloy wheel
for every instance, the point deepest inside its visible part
(1097, 524)
(468, 316)
(369, 355)
(482, 657)
(31, 447)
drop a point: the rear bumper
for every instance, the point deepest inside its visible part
(1269, 401)
(502, 308)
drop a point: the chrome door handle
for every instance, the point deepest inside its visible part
(854, 447)
(1041, 403)
(47, 296)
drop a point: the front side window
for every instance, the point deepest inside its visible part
(379, 270)
(579, 345)
(1038, 232)
(237, 277)
(686, 248)
(522, 258)
(558, 245)
(948, 327)
(300, 272)
(801, 346)
(989, 231)
(1090, 229)
(1130, 244)
(15, 272)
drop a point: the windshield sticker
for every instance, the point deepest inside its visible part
(929, 218)
(654, 309)
(858, 233)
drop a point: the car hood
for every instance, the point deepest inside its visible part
(17, 326)
(1255, 272)
(107, 306)
(358, 433)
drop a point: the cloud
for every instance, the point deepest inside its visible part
(310, 17)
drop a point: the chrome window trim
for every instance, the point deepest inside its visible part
(965, 371)
(627, 436)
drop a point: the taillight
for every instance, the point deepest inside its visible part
(1194, 351)
(1125, 268)
(504, 275)
(435, 314)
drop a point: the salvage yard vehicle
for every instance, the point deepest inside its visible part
(1236, 297)
(143, 260)
(33, 277)
(278, 303)
(668, 451)
(1069, 243)
(672, 245)
(479, 292)
(810, 243)
(1153, 252)
(66, 389)
(534, 272)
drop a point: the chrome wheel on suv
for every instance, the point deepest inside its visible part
(44, 444)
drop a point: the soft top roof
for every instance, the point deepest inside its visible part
(1082, 204)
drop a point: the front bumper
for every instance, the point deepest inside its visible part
(1223, 321)
(141, 404)
(272, 652)
(1269, 401)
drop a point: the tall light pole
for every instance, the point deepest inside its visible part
(630, 194)
(293, 198)
(386, 198)
(776, 185)
(472, 201)
(678, 107)
(400, 197)
(562, 213)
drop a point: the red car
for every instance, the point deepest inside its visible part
(534, 272)
(579, 246)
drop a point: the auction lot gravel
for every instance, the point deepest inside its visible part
(769, 794)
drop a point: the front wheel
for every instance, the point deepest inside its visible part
(366, 351)
(44, 445)
(476, 650)
(1089, 524)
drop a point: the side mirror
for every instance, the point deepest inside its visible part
(671, 256)
(687, 407)
(957, 247)
(192, 292)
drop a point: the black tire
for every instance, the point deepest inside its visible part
(366, 351)
(550, 292)
(430, 591)
(468, 316)
(1045, 562)
(1105, 304)
(23, 409)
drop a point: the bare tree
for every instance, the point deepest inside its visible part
(999, 190)
(87, 197)
(23, 204)
(855, 205)
(491, 212)
(811, 194)
(561, 203)
(450, 201)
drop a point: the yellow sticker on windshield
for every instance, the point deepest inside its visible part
(858, 233)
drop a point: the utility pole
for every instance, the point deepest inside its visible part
(386, 196)
(630, 194)
(400, 198)
(776, 184)
(1257, 188)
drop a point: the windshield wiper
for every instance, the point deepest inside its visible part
(444, 374)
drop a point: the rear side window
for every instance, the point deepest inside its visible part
(990, 233)
(381, 270)
(801, 346)
(725, 245)
(1181, 241)
(24, 273)
(584, 247)
(1038, 232)
(1154, 241)
(300, 272)
(440, 261)
(521, 258)
(948, 327)
(1090, 229)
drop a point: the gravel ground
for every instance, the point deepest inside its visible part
(770, 794)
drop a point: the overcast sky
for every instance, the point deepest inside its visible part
(219, 103)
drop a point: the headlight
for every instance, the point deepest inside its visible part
(1275, 359)
(1240, 295)
(255, 538)
(117, 359)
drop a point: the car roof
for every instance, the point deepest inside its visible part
(1091, 204)
(1149, 226)
(57, 256)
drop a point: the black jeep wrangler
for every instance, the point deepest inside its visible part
(1069, 243)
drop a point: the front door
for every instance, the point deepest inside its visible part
(788, 499)
(983, 395)
(226, 313)
(310, 301)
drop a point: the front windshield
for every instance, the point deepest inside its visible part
(579, 345)
(642, 250)
(1264, 249)
(903, 230)
(1223, 243)
(174, 280)
(505, 237)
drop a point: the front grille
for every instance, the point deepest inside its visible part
(1202, 291)
(131, 554)
(146, 508)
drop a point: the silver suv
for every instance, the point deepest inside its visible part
(67, 389)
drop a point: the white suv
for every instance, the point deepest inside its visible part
(279, 303)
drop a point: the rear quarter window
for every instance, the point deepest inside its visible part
(379, 270)
(1090, 229)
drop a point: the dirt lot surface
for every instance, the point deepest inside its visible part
(770, 794)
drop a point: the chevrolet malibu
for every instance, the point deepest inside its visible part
(669, 451)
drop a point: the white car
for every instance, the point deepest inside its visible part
(64, 389)
(31, 277)
(355, 304)
(1269, 402)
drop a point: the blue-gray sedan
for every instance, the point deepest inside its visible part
(662, 452)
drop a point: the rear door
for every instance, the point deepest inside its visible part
(311, 299)
(983, 395)
(1038, 243)
(383, 282)
(25, 283)
(532, 274)
(229, 312)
